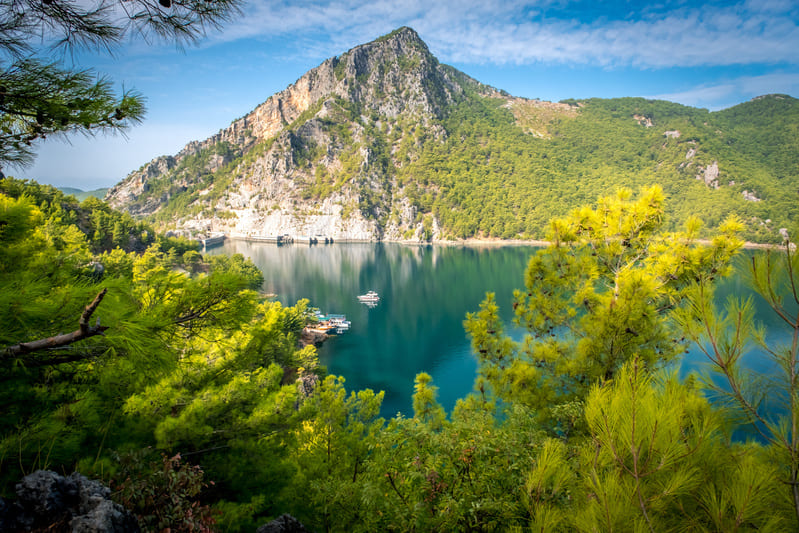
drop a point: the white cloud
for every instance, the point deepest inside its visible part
(734, 91)
(526, 32)
(700, 96)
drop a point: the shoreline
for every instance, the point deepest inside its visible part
(490, 242)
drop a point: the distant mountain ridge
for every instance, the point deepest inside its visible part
(81, 195)
(385, 143)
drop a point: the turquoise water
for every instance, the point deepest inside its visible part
(425, 293)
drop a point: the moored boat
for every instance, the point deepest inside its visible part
(370, 296)
(332, 324)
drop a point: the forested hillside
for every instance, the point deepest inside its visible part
(82, 195)
(384, 142)
(169, 376)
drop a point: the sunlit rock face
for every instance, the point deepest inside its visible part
(314, 158)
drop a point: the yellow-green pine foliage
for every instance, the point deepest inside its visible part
(599, 294)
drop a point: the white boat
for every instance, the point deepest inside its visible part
(339, 322)
(332, 324)
(370, 296)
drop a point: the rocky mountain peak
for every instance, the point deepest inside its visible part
(390, 80)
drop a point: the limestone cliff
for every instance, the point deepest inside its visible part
(315, 158)
(385, 143)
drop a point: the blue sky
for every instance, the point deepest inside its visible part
(705, 54)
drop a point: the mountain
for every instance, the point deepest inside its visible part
(385, 142)
(81, 195)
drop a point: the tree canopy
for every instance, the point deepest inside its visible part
(200, 407)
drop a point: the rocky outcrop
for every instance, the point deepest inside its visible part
(643, 121)
(749, 196)
(306, 161)
(310, 336)
(710, 175)
(47, 501)
(307, 384)
(283, 524)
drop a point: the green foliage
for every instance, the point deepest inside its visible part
(576, 427)
(652, 461)
(162, 492)
(240, 266)
(332, 445)
(45, 99)
(187, 347)
(41, 98)
(727, 337)
(490, 178)
(595, 298)
(104, 227)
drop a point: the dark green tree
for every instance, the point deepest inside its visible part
(41, 97)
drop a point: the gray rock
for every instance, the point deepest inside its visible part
(392, 80)
(283, 524)
(46, 500)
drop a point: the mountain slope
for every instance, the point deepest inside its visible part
(81, 195)
(384, 142)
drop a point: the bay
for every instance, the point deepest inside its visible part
(425, 293)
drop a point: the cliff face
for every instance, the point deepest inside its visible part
(316, 158)
(385, 143)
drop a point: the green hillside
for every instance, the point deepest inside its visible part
(388, 137)
(81, 195)
(492, 178)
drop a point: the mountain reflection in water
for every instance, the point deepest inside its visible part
(425, 293)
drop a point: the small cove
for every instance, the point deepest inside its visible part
(425, 293)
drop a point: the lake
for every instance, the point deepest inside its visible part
(425, 293)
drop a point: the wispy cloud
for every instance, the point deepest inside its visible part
(526, 32)
(734, 91)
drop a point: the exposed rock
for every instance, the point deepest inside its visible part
(749, 196)
(311, 336)
(691, 153)
(784, 234)
(307, 384)
(95, 269)
(46, 500)
(323, 174)
(710, 175)
(643, 121)
(283, 524)
(673, 134)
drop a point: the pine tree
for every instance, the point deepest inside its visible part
(40, 97)
(598, 295)
(768, 404)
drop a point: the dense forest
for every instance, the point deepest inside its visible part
(491, 178)
(186, 389)
(463, 160)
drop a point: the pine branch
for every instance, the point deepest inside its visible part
(84, 331)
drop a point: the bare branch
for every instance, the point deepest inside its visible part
(83, 332)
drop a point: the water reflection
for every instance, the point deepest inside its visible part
(425, 293)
